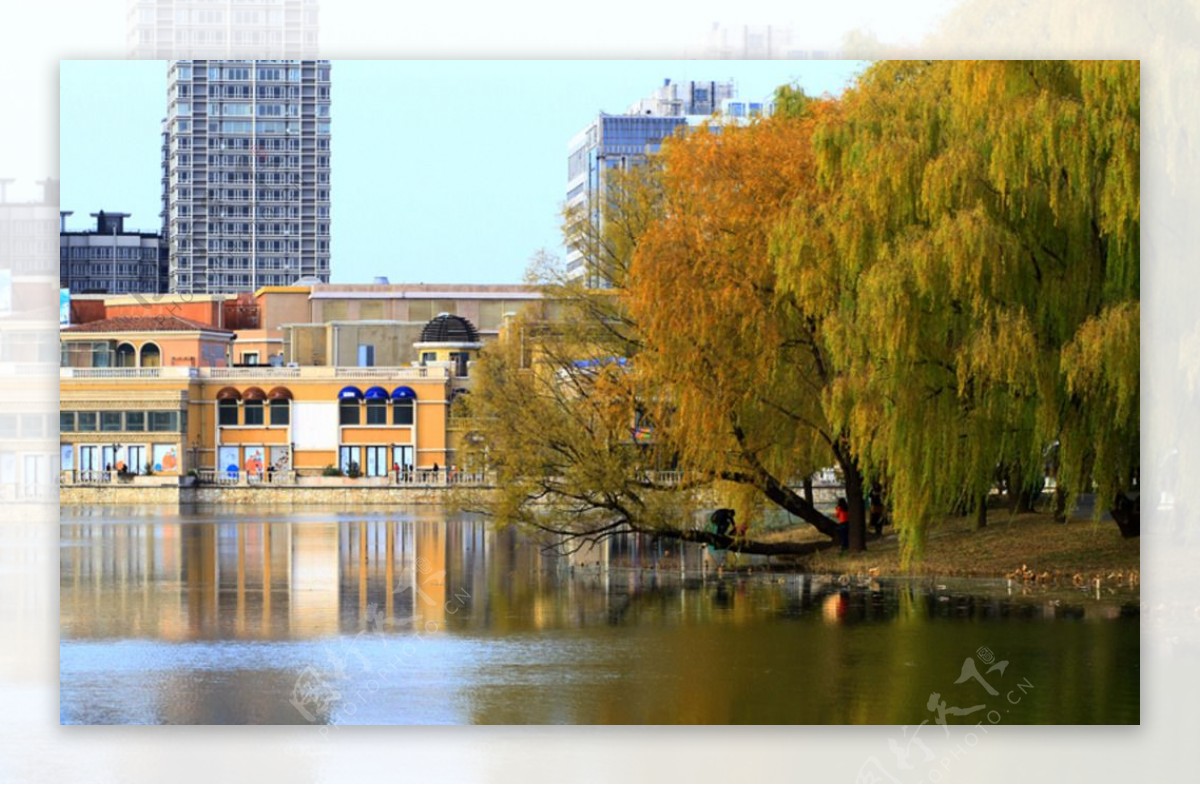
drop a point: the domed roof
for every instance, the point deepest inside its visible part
(448, 328)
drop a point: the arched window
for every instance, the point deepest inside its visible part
(227, 406)
(348, 406)
(404, 400)
(280, 403)
(253, 406)
(126, 356)
(151, 356)
(377, 402)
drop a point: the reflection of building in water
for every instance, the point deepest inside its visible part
(233, 579)
(313, 579)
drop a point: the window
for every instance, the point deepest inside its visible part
(252, 413)
(66, 422)
(404, 411)
(350, 459)
(164, 421)
(428, 357)
(110, 421)
(87, 421)
(348, 412)
(377, 465)
(227, 412)
(250, 358)
(377, 411)
(151, 358)
(135, 421)
(280, 412)
(89, 458)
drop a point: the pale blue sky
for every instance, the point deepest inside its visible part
(443, 171)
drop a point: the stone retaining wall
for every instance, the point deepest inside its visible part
(345, 495)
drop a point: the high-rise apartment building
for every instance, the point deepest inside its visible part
(622, 142)
(246, 182)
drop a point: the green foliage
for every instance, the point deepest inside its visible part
(976, 217)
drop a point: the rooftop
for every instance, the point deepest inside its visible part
(144, 324)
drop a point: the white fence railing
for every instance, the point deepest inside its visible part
(127, 373)
(265, 372)
(423, 478)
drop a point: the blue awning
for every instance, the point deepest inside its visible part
(347, 393)
(375, 393)
(404, 393)
(598, 363)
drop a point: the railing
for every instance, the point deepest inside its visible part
(421, 372)
(213, 477)
(422, 478)
(127, 373)
(265, 372)
(257, 372)
(85, 477)
(98, 477)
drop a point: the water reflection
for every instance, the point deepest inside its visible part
(410, 617)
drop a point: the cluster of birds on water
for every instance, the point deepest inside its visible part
(1119, 578)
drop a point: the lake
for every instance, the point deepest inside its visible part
(422, 615)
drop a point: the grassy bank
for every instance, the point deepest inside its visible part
(1030, 548)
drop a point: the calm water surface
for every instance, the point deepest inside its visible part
(418, 615)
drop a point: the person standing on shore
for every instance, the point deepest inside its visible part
(843, 518)
(876, 500)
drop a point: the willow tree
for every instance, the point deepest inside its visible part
(740, 366)
(563, 402)
(977, 242)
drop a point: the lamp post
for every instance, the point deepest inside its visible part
(116, 449)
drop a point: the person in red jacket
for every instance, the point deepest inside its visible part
(843, 519)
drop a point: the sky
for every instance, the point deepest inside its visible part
(443, 171)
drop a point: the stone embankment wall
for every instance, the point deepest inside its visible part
(347, 495)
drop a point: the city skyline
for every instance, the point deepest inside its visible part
(489, 138)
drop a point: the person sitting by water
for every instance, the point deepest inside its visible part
(843, 518)
(721, 521)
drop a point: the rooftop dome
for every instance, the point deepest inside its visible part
(448, 328)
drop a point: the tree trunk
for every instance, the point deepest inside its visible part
(778, 492)
(1060, 504)
(855, 500)
(1019, 493)
(981, 513)
(786, 498)
(808, 491)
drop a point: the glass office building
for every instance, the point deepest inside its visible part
(621, 142)
(246, 165)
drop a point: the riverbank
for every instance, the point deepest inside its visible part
(1029, 548)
